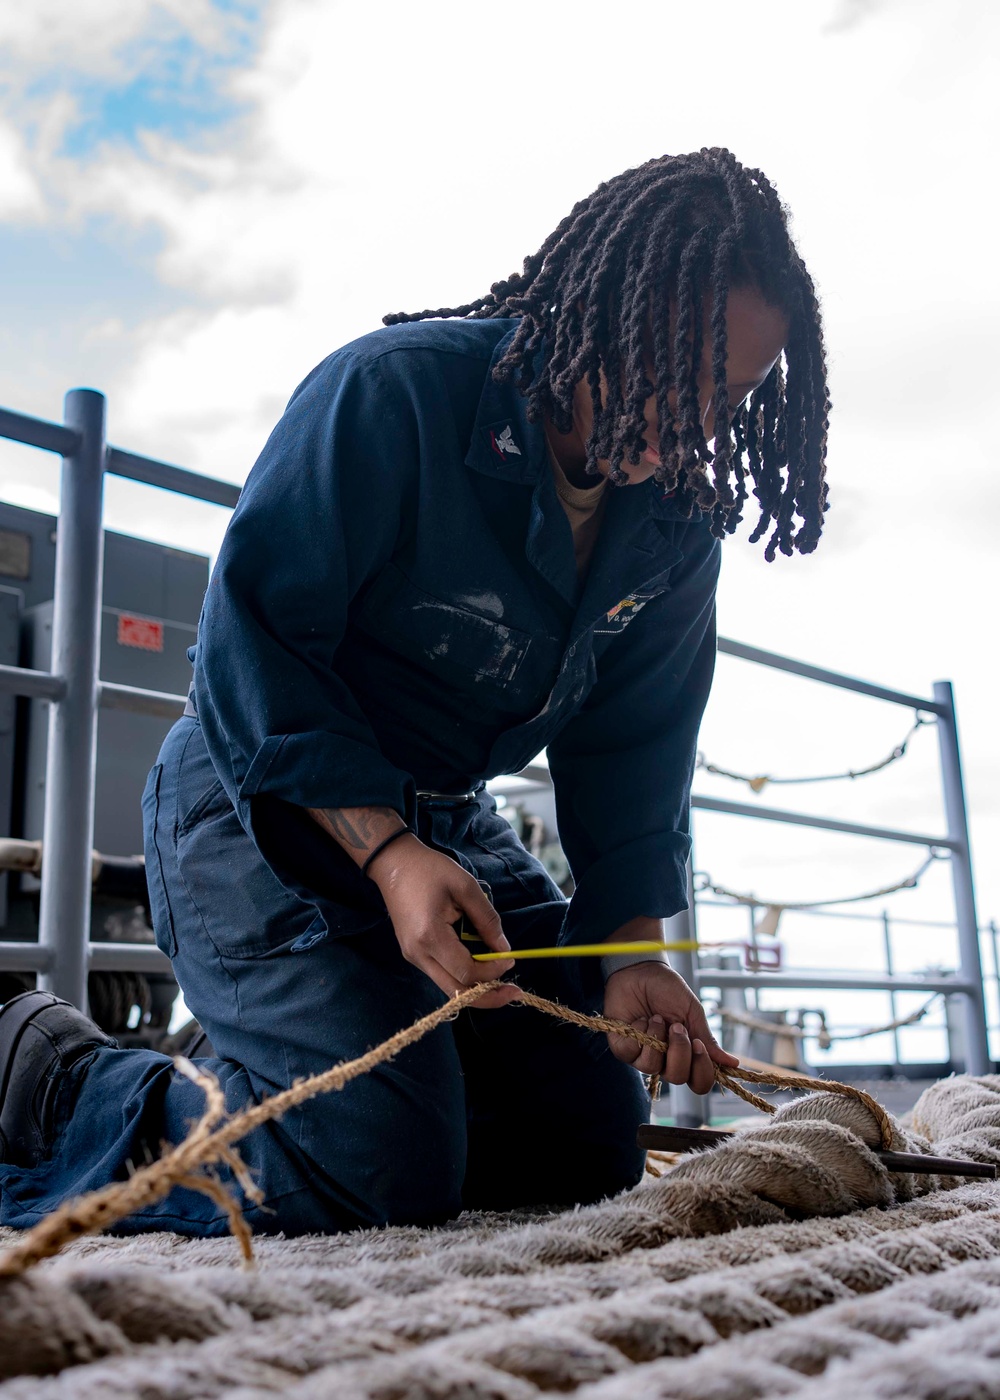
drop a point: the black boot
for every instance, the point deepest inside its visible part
(40, 1037)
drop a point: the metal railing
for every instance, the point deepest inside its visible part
(966, 984)
(969, 982)
(63, 954)
(887, 925)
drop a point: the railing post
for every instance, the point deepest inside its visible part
(977, 1054)
(68, 829)
(893, 1006)
(688, 1109)
(995, 945)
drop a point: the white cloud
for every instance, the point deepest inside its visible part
(848, 14)
(20, 196)
(55, 58)
(219, 214)
(99, 38)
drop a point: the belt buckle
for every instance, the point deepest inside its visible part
(456, 799)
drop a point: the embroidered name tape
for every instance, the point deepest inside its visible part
(619, 617)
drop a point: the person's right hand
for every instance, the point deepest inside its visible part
(425, 893)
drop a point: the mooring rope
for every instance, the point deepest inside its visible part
(212, 1140)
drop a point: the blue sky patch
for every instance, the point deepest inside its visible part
(176, 86)
(62, 281)
(96, 273)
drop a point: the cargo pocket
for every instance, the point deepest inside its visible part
(242, 906)
(317, 932)
(212, 800)
(159, 904)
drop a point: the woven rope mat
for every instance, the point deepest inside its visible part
(703, 1283)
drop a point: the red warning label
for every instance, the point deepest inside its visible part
(139, 632)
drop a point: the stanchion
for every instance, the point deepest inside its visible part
(68, 830)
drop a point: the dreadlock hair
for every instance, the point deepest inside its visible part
(632, 265)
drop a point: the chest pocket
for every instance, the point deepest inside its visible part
(446, 640)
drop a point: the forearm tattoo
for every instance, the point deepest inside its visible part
(357, 829)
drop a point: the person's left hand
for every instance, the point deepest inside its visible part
(655, 999)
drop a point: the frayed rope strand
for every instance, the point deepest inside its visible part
(212, 1139)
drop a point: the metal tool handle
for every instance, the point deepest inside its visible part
(668, 1139)
(469, 935)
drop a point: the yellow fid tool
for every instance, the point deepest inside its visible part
(591, 950)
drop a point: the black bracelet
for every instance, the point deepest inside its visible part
(403, 831)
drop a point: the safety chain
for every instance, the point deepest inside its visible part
(775, 908)
(763, 780)
(823, 1037)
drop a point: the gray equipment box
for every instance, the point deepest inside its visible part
(152, 580)
(135, 650)
(152, 598)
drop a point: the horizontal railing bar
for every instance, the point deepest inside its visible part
(536, 776)
(819, 673)
(103, 957)
(162, 703)
(833, 981)
(168, 478)
(19, 680)
(127, 957)
(517, 782)
(38, 432)
(25, 957)
(145, 957)
(535, 773)
(774, 814)
(896, 920)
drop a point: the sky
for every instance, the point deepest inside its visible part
(199, 199)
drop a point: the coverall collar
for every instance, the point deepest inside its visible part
(506, 446)
(631, 549)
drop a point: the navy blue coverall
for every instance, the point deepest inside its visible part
(395, 610)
